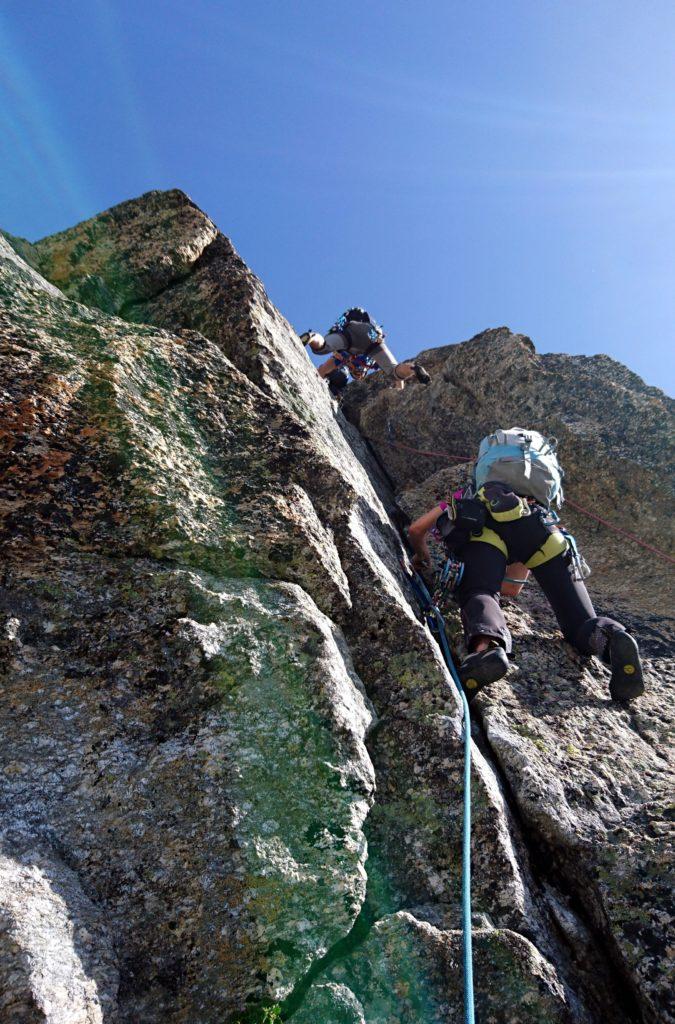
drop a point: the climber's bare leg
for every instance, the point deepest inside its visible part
(328, 367)
(402, 373)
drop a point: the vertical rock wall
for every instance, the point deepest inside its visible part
(588, 780)
(228, 730)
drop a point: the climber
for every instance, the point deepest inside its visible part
(357, 346)
(503, 516)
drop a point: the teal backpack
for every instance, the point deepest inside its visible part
(523, 459)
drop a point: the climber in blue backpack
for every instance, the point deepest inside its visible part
(356, 346)
(505, 516)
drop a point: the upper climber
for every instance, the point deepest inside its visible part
(357, 345)
(503, 516)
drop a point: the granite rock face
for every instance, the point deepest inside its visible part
(408, 971)
(232, 754)
(590, 780)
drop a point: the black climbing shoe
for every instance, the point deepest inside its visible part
(304, 338)
(421, 374)
(482, 668)
(626, 680)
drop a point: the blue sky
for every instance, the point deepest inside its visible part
(449, 165)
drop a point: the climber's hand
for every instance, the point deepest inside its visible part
(421, 564)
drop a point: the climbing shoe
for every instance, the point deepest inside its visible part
(626, 680)
(421, 374)
(305, 337)
(482, 668)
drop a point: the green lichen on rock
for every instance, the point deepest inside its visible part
(151, 444)
(96, 262)
(292, 723)
(409, 972)
(190, 776)
(205, 762)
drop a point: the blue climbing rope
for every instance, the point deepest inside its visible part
(436, 621)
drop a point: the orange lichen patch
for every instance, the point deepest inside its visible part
(52, 465)
(33, 413)
(81, 524)
(22, 417)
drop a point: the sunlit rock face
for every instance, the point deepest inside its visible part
(231, 755)
(590, 780)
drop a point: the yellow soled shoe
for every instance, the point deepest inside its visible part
(626, 680)
(482, 668)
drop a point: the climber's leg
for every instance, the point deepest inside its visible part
(573, 608)
(487, 635)
(478, 595)
(335, 342)
(314, 340)
(404, 371)
(588, 632)
(338, 381)
(327, 368)
(569, 600)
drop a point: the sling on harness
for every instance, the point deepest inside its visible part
(358, 363)
(434, 619)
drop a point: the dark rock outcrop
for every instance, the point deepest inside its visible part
(232, 755)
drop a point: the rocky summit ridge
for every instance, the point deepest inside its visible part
(231, 757)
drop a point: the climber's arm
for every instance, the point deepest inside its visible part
(417, 535)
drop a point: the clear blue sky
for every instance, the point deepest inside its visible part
(451, 165)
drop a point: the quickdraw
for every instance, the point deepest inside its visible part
(581, 570)
(449, 579)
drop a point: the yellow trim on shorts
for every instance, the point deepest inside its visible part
(554, 545)
(488, 536)
(511, 514)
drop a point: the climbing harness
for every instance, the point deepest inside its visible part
(359, 363)
(393, 443)
(436, 622)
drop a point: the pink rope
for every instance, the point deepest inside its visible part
(617, 529)
(579, 508)
(419, 451)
